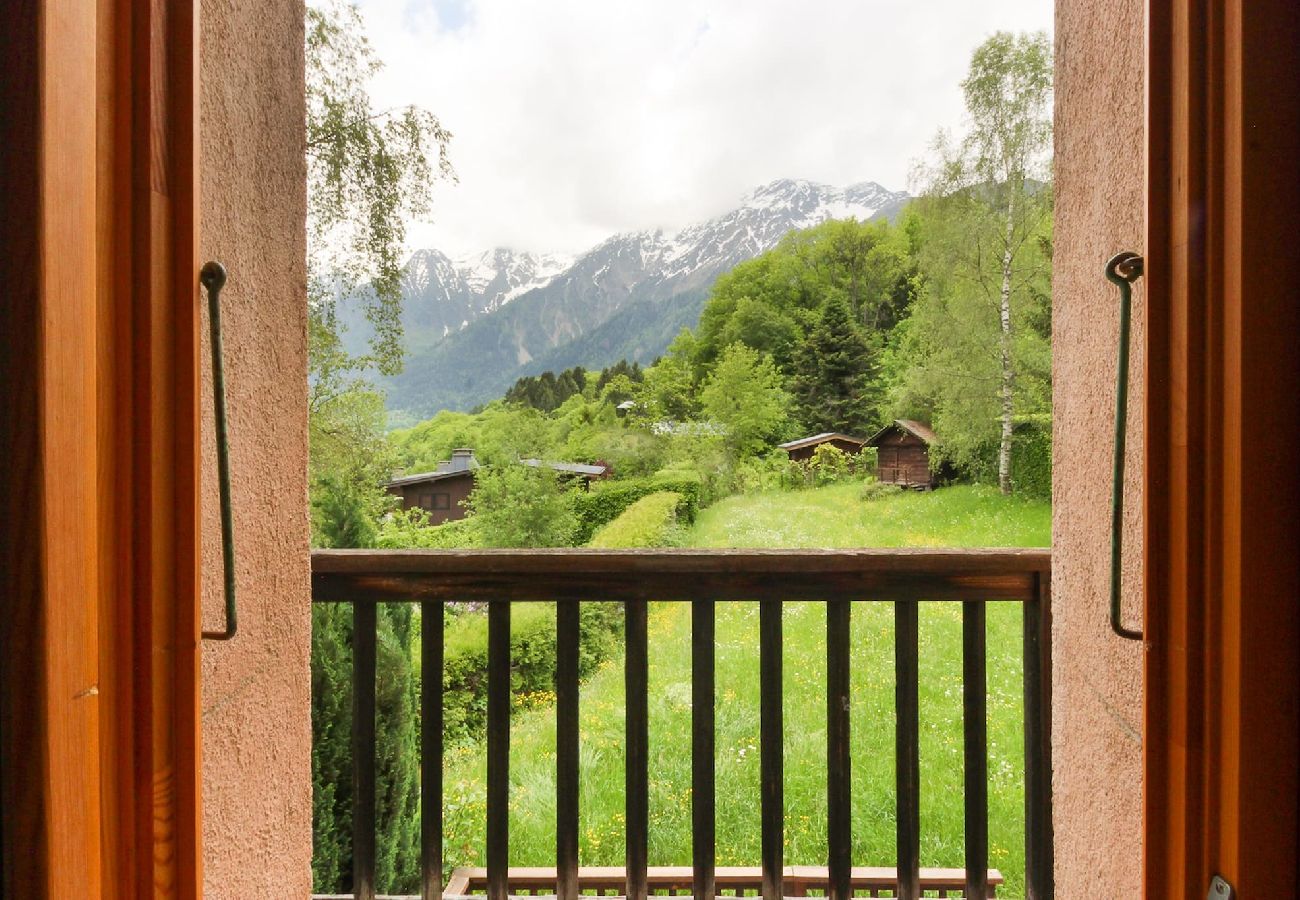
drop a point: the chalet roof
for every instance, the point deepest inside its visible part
(912, 427)
(820, 439)
(423, 477)
(570, 468)
(462, 462)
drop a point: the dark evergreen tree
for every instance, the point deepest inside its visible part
(343, 523)
(622, 367)
(832, 383)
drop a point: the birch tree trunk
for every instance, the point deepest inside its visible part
(1008, 368)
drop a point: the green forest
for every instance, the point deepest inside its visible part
(941, 316)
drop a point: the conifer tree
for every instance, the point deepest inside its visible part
(832, 386)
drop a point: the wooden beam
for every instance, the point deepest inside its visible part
(367, 575)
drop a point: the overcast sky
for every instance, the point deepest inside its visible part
(576, 119)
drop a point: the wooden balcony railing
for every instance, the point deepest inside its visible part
(703, 577)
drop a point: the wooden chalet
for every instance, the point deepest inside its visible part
(441, 492)
(804, 448)
(903, 454)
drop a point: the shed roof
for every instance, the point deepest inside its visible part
(571, 468)
(423, 477)
(912, 427)
(820, 439)
(462, 462)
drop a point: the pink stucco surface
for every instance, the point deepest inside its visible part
(257, 688)
(1097, 677)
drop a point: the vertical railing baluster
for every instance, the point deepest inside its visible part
(567, 636)
(839, 791)
(1038, 748)
(636, 769)
(498, 750)
(975, 741)
(703, 794)
(771, 749)
(907, 755)
(431, 650)
(364, 621)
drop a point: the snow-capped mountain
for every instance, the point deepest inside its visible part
(444, 295)
(475, 325)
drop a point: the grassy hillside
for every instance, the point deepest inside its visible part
(836, 516)
(833, 516)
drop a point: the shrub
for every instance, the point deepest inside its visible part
(649, 522)
(397, 759)
(532, 659)
(878, 490)
(410, 528)
(763, 473)
(521, 506)
(829, 464)
(1031, 459)
(606, 501)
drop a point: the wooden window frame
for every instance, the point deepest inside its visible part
(1222, 621)
(99, 646)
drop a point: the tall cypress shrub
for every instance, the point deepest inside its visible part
(341, 522)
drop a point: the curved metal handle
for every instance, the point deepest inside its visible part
(1122, 270)
(213, 277)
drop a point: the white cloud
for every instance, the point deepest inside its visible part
(575, 119)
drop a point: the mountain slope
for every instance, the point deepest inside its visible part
(628, 297)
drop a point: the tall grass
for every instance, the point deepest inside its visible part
(831, 516)
(836, 516)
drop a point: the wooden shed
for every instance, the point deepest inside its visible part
(804, 448)
(903, 454)
(440, 492)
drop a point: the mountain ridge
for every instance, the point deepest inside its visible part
(475, 325)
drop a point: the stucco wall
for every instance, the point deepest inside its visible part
(1097, 677)
(256, 689)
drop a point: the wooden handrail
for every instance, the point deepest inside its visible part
(521, 575)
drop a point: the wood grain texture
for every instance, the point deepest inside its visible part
(1222, 738)
(50, 748)
(396, 575)
(114, 450)
(165, 440)
(24, 849)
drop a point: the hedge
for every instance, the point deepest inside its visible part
(606, 502)
(532, 658)
(1031, 459)
(649, 522)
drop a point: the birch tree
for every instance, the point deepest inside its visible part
(987, 203)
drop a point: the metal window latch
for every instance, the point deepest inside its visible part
(213, 278)
(1220, 889)
(1122, 270)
